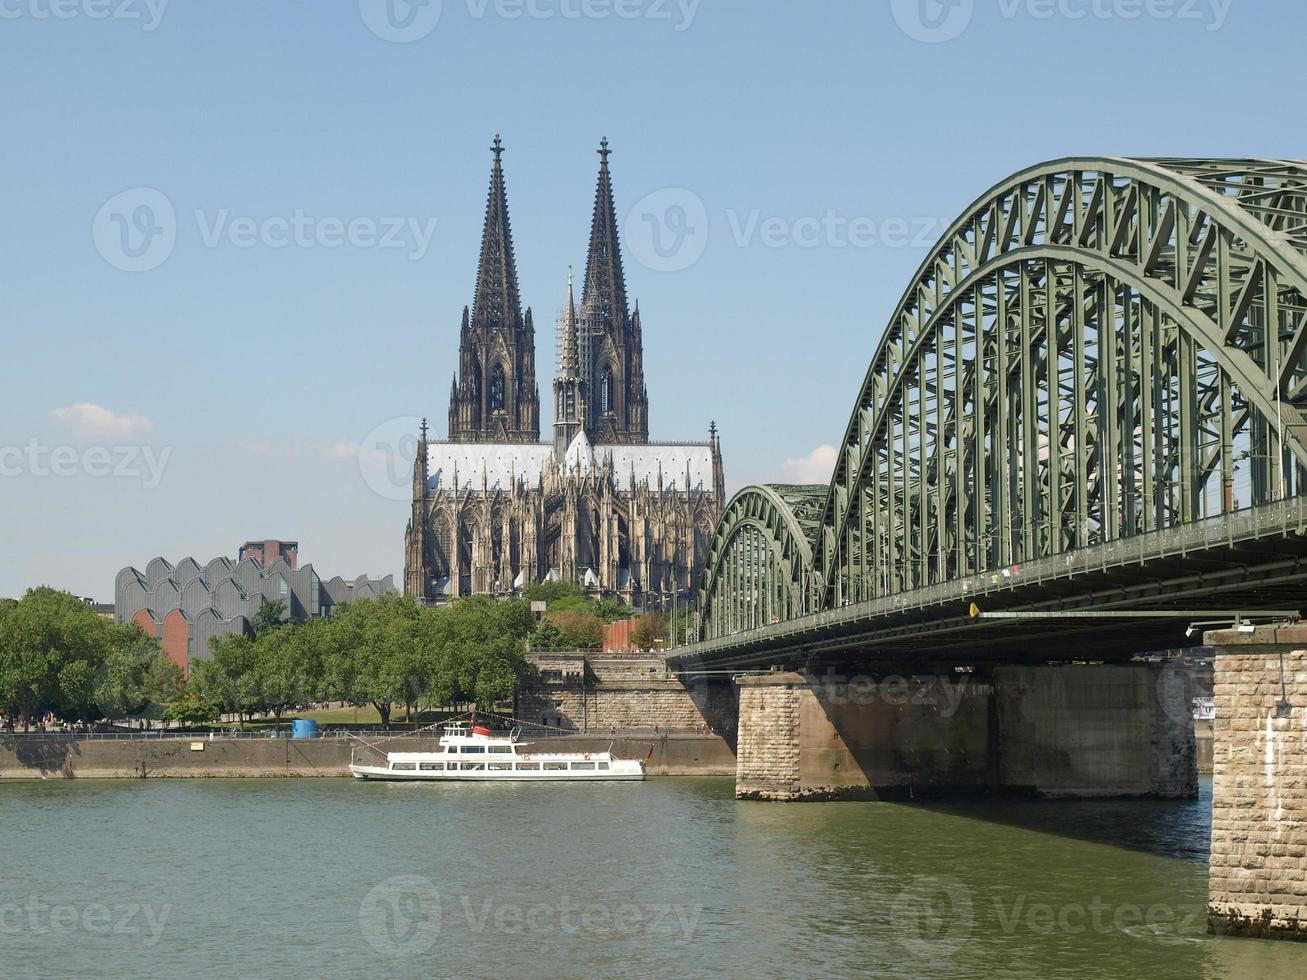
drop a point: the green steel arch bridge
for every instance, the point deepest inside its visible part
(1083, 427)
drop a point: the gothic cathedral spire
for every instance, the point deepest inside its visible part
(569, 388)
(495, 398)
(417, 552)
(611, 346)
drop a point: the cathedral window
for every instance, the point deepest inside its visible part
(606, 391)
(497, 388)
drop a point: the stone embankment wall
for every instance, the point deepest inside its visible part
(601, 693)
(1258, 866)
(73, 758)
(1057, 731)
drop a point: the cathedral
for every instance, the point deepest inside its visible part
(495, 508)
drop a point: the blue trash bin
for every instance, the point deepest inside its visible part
(303, 728)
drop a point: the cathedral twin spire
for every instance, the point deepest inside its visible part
(600, 384)
(494, 396)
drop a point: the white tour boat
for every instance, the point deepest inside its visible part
(473, 752)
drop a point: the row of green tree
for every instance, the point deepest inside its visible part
(381, 652)
(57, 657)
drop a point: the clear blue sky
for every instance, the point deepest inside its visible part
(260, 368)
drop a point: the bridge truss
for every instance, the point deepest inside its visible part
(1100, 356)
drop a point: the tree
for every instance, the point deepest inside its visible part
(77, 686)
(136, 676)
(368, 654)
(271, 616)
(228, 679)
(583, 630)
(484, 644)
(548, 636)
(611, 609)
(649, 628)
(287, 667)
(551, 592)
(40, 638)
(190, 709)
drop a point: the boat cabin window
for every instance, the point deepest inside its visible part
(499, 765)
(451, 748)
(473, 766)
(501, 749)
(587, 766)
(528, 766)
(432, 766)
(404, 765)
(603, 765)
(474, 749)
(555, 765)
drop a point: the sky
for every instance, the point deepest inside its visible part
(236, 238)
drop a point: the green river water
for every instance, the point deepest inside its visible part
(666, 878)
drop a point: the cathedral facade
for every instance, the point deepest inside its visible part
(495, 508)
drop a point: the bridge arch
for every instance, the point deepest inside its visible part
(759, 568)
(1097, 348)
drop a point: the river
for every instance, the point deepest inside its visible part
(670, 877)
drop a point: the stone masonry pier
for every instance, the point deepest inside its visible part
(1073, 731)
(1258, 870)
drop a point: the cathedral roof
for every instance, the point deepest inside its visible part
(503, 462)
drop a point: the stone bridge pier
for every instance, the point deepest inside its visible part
(1058, 731)
(1258, 869)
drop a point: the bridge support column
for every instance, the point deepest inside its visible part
(1074, 731)
(1258, 868)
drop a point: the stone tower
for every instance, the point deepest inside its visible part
(569, 388)
(494, 396)
(610, 345)
(417, 552)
